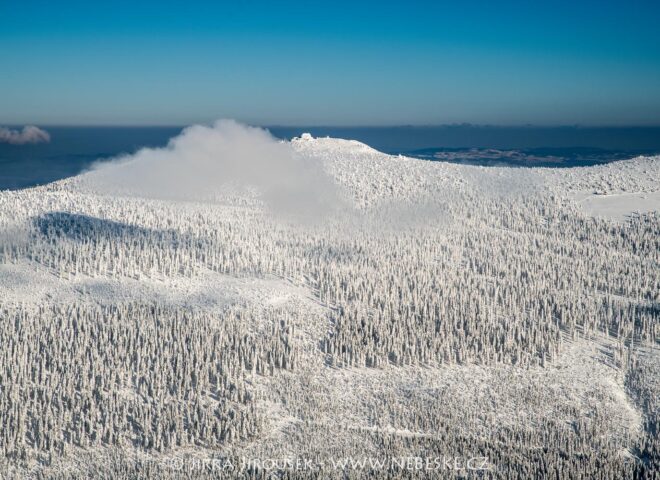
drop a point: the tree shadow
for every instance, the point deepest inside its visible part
(81, 227)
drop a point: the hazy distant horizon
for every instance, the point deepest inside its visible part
(71, 150)
(401, 138)
(339, 125)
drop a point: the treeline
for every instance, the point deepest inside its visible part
(498, 282)
(132, 375)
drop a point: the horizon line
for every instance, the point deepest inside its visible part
(351, 126)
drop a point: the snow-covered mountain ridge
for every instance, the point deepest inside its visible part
(434, 310)
(360, 166)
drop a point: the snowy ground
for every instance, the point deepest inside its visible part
(620, 206)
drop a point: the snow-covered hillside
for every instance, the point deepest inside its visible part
(429, 310)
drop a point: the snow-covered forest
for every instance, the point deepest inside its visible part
(421, 310)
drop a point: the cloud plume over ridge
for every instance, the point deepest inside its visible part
(199, 161)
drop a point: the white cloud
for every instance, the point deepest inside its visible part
(199, 161)
(29, 134)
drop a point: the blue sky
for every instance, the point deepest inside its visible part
(330, 63)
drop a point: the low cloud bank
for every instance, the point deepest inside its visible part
(202, 159)
(29, 134)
